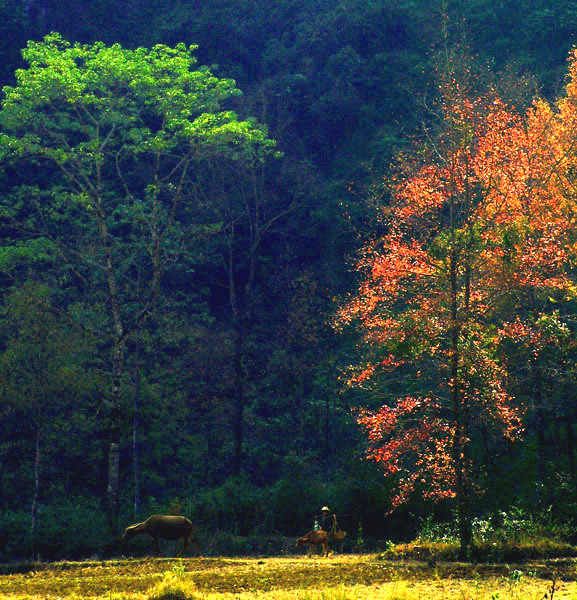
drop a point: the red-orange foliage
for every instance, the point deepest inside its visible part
(488, 215)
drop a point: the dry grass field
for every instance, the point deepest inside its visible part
(350, 577)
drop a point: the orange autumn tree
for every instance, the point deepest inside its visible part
(474, 228)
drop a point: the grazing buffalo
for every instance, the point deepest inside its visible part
(165, 527)
(320, 538)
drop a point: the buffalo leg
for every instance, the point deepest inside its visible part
(185, 541)
(155, 546)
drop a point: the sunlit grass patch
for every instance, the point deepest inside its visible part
(350, 577)
(492, 589)
(175, 585)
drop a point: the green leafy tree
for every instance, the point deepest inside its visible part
(113, 135)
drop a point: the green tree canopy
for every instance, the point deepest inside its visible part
(116, 133)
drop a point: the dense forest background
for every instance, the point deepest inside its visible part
(233, 409)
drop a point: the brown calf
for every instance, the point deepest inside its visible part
(320, 538)
(165, 527)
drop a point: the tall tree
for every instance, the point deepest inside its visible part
(117, 132)
(472, 226)
(248, 207)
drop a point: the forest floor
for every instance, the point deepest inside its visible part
(339, 577)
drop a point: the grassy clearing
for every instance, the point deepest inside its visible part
(350, 577)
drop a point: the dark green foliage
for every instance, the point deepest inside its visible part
(232, 381)
(235, 506)
(73, 528)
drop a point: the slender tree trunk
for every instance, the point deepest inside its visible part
(487, 459)
(568, 423)
(112, 490)
(328, 442)
(327, 427)
(119, 342)
(570, 446)
(298, 416)
(241, 303)
(136, 467)
(136, 439)
(301, 426)
(459, 460)
(238, 308)
(239, 399)
(36, 495)
(208, 457)
(538, 407)
(539, 422)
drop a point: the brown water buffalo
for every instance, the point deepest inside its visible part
(320, 538)
(165, 527)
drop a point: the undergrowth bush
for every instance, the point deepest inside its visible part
(14, 535)
(502, 537)
(75, 528)
(513, 525)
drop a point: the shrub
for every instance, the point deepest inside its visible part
(73, 529)
(234, 506)
(503, 537)
(423, 551)
(437, 532)
(174, 585)
(14, 535)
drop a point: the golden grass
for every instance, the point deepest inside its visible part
(350, 577)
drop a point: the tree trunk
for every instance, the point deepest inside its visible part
(210, 450)
(136, 447)
(459, 461)
(112, 490)
(570, 446)
(327, 432)
(113, 485)
(137, 472)
(239, 317)
(36, 495)
(239, 400)
(119, 341)
(298, 416)
(539, 424)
